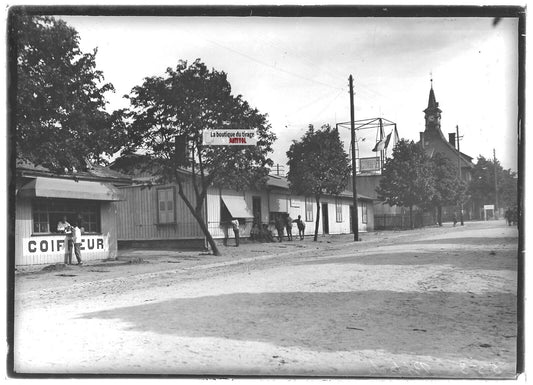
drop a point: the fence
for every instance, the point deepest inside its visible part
(402, 221)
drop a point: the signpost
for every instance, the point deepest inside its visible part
(231, 137)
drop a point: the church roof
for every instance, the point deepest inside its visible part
(433, 105)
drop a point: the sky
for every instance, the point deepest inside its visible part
(296, 70)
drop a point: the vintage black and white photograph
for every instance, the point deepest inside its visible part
(266, 192)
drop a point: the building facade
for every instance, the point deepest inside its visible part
(43, 198)
(154, 215)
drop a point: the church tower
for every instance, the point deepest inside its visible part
(432, 114)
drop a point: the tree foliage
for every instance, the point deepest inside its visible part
(60, 116)
(407, 178)
(448, 188)
(482, 187)
(177, 108)
(318, 165)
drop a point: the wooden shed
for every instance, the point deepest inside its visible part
(43, 198)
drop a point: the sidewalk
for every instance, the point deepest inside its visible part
(152, 259)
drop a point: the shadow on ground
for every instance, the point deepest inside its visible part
(433, 323)
(468, 260)
(485, 241)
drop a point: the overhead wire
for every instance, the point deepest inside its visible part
(277, 68)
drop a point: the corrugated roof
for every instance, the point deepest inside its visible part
(94, 172)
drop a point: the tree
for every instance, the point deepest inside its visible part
(407, 178)
(59, 116)
(482, 186)
(448, 189)
(318, 165)
(168, 116)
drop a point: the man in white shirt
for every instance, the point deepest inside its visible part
(76, 240)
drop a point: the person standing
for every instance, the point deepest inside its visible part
(301, 227)
(279, 227)
(76, 240)
(288, 226)
(235, 225)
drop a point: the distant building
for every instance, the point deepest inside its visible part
(433, 141)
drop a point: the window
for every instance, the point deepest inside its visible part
(338, 210)
(308, 209)
(41, 223)
(165, 205)
(48, 212)
(364, 212)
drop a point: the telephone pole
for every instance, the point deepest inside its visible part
(355, 219)
(495, 186)
(459, 170)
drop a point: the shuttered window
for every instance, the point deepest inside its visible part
(308, 209)
(165, 205)
(338, 210)
(364, 212)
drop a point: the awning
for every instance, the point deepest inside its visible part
(237, 206)
(42, 187)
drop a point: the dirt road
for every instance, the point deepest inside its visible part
(435, 302)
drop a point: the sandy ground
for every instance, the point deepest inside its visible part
(435, 302)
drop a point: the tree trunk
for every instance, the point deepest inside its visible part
(317, 218)
(439, 215)
(411, 217)
(199, 218)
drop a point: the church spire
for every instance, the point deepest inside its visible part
(432, 102)
(433, 105)
(432, 112)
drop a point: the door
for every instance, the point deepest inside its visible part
(325, 218)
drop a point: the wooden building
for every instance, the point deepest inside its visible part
(43, 198)
(155, 216)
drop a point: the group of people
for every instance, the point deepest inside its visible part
(262, 233)
(75, 232)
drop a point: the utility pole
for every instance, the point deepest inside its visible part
(355, 219)
(495, 186)
(459, 170)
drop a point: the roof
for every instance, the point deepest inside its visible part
(93, 172)
(277, 181)
(44, 187)
(433, 105)
(282, 182)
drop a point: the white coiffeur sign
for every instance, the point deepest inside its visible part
(59, 244)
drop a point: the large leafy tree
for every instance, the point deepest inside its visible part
(59, 113)
(448, 188)
(483, 187)
(407, 178)
(318, 165)
(167, 118)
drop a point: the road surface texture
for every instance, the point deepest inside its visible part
(433, 302)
